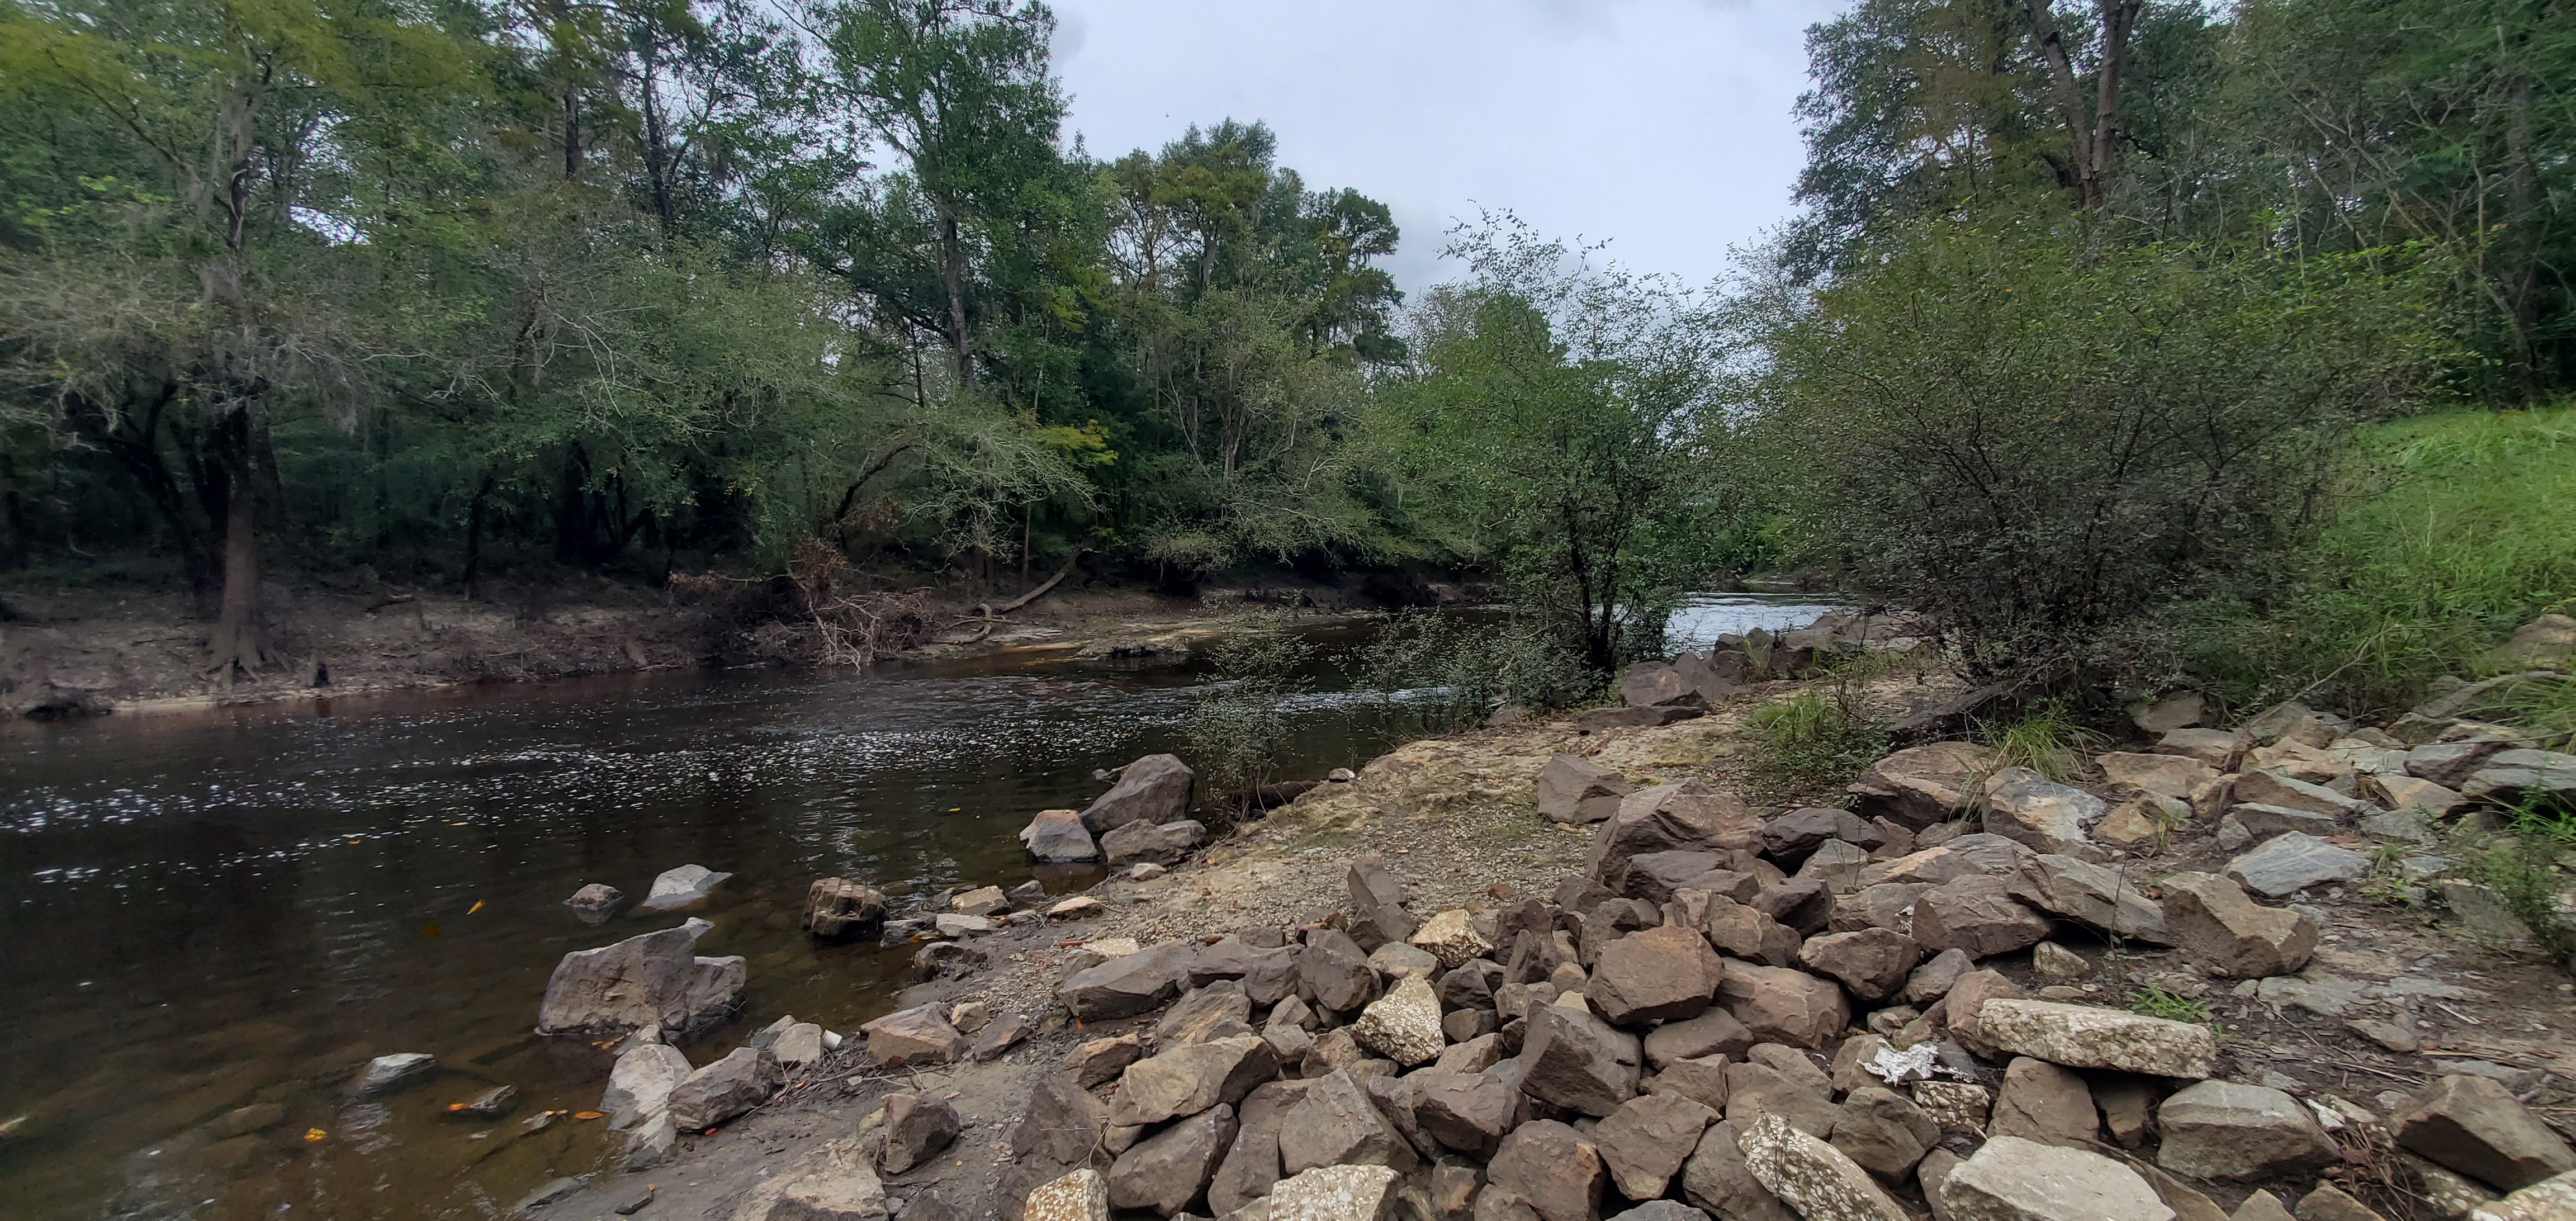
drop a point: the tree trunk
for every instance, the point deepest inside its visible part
(240, 646)
(952, 274)
(474, 538)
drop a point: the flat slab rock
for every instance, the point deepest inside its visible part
(2084, 1036)
(2012, 1179)
(1813, 1177)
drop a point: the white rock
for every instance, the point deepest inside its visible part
(1451, 938)
(1818, 1180)
(2012, 1179)
(2083, 1036)
(640, 1085)
(1404, 1024)
(1333, 1193)
(686, 886)
(1080, 1196)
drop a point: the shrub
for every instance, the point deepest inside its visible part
(1441, 672)
(1239, 725)
(1819, 735)
(2041, 442)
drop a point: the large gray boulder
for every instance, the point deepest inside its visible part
(2538, 778)
(2287, 864)
(1154, 789)
(1685, 815)
(648, 980)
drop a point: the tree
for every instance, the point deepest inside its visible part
(1556, 421)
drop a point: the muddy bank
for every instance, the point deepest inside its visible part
(94, 652)
(2395, 995)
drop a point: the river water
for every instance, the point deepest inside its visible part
(209, 922)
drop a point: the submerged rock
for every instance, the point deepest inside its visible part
(838, 908)
(682, 888)
(391, 1074)
(596, 902)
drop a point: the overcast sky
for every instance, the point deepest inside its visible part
(1661, 125)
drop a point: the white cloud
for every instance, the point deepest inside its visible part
(1663, 126)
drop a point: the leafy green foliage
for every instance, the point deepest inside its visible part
(1445, 672)
(1239, 725)
(2156, 1002)
(1556, 424)
(2520, 867)
(2043, 443)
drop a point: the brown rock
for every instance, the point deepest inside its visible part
(1934, 979)
(2224, 930)
(1656, 975)
(1702, 1080)
(1717, 1180)
(1577, 1061)
(1968, 995)
(1334, 972)
(2045, 1103)
(1214, 1011)
(1918, 787)
(1553, 1168)
(1747, 933)
(1101, 1060)
(1468, 1112)
(1977, 914)
(1251, 1163)
(1377, 904)
(1646, 1140)
(1754, 1090)
(2475, 1126)
(1577, 790)
(2026, 807)
(1883, 1131)
(1166, 1171)
(919, 1035)
(908, 1130)
(1154, 789)
(1682, 816)
(1804, 904)
(2328, 1202)
(1781, 1005)
(1715, 1032)
(2217, 749)
(1336, 1124)
(1872, 963)
(2167, 775)
(1190, 1079)
(1129, 984)
(725, 1088)
(838, 908)
(1887, 905)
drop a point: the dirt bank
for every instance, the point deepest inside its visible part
(95, 651)
(1454, 819)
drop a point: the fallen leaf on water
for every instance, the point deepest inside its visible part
(588, 1114)
(478, 906)
(429, 930)
(456, 1106)
(314, 1134)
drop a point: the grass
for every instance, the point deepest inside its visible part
(1815, 737)
(2048, 741)
(2520, 867)
(2457, 527)
(2156, 1002)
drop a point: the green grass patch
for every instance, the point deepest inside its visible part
(2455, 529)
(1814, 738)
(2156, 1002)
(2048, 741)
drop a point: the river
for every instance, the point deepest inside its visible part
(208, 922)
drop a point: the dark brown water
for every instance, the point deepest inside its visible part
(236, 910)
(206, 913)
